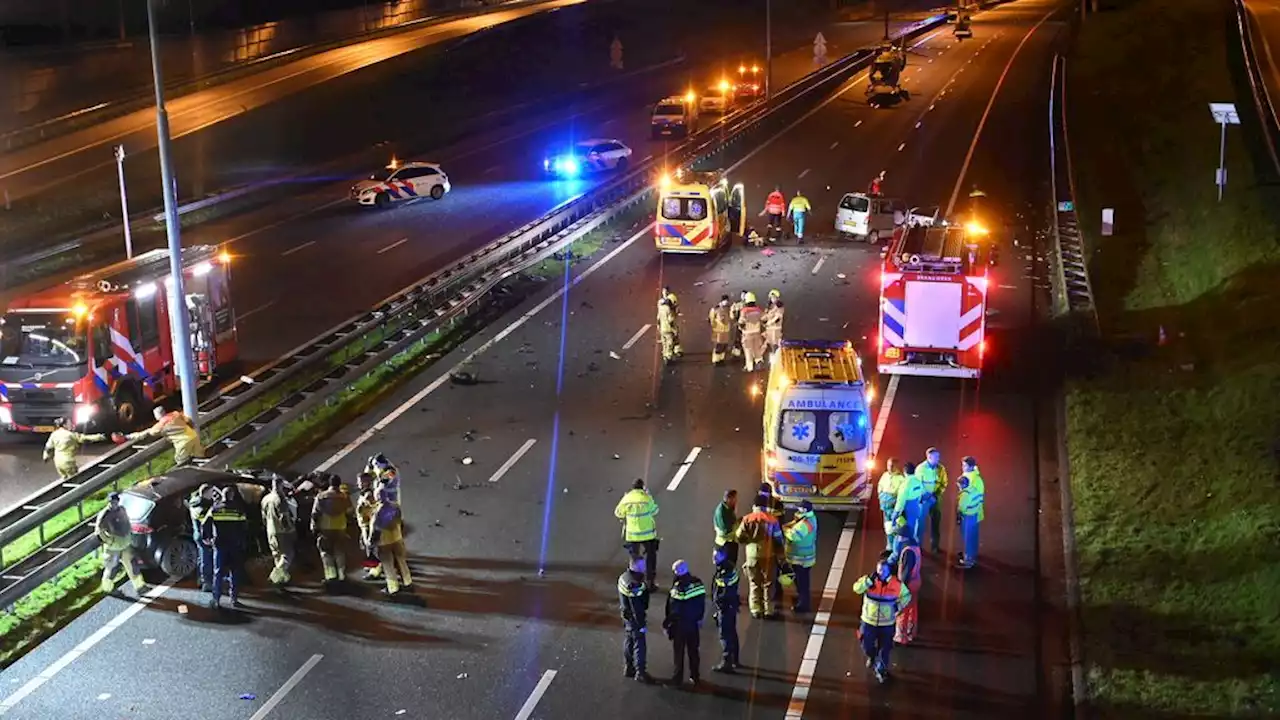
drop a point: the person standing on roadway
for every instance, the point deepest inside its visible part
(721, 319)
(725, 597)
(63, 445)
(174, 427)
(667, 333)
(751, 323)
(198, 504)
(735, 316)
(970, 509)
(799, 210)
(638, 513)
(908, 510)
(674, 302)
(801, 536)
(933, 476)
(906, 550)
(385, 476)
(633, 606)
(115, 530)
(280, 516)
(887, 491)
(686, 607)
(759, 532)
(882, 596)
(775, 206)
(329, 525)
(230, 543)
(726, 522)
(773, 316)
(388, 529)
(366, 507)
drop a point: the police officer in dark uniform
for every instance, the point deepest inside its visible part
(686, 606)
(230, 543)
(633, 604)
(724, 594)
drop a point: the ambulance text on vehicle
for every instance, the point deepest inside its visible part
(933, 301)
(97, 350)
(698, 213)
(817, 425)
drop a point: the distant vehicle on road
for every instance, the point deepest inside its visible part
(717, 98)
(162, 524)
(675, 116)
(749, 85)
(404, 181)
(587, 156)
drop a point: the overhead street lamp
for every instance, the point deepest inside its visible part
(179, 321)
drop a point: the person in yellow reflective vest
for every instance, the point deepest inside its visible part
(230, 545)
(909, 508)
(887, 492)
(933, 476)
(385, 476)
(388, 529)
(62, 446)
(177, 429)
(329, 525)
(674, 302)
(799, 210)
(735, 315)
(882, 596)
(971, 509)
(801, 536)
(366, 506)
(115, 530)
(639, 515)
(751, 323)
(773, 317)
(280, 516)
(721, 319)
(726, 523)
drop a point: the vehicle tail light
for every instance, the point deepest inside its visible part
(982, 348)
(141, 529)
(870, 464)
(770, 460)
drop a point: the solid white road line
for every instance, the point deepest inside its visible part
(394, 245)
(802, 174)
(901, 147)
(882, 417)
(834, 145)
(289, 684)
(684, 468)
(296, 248)
(85, 645)
(818, 267)
(511, 461)
(258, 309)
(526, 710)
(636, 338)
(857, 123)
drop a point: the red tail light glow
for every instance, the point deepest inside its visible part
(141, 528)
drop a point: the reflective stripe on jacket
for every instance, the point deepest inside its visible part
(910, 490)
(799, 204)
(887, 489)
(973, 499)
(775, 204)
(881, 600)
(721, 322)
(802, 540)
(934, 479)
(330, 510)
(638, 512)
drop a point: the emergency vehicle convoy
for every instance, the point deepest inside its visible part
(817, 425)
(698, 213)
(933, 301)
(97, 350)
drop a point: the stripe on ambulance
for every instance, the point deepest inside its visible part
(673, 231)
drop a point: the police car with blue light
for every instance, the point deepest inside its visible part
(586, 157)
(403, 181)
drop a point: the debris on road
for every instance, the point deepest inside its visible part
(467, 460)
(614, 355)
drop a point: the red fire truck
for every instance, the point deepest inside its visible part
(933, 300)
(97, 350)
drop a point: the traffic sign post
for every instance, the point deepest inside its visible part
(1224, 114)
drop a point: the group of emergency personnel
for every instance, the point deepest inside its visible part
(776, 208)
(741, 328)
(64, 444)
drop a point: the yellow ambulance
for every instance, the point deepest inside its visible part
(698, 212)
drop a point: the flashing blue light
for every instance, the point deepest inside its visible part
(862, 421)
(567, 166)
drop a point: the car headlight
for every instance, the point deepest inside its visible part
(84, 413)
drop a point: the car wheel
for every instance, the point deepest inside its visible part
(622, 165)
(382, 201)
(179, 558)
(873, 237)
(437, 192)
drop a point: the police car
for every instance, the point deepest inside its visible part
(402, 182)
(587, 156)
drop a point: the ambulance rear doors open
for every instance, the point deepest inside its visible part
(698, 214)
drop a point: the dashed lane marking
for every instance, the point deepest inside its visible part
(511, 461)
(636, 338)
(684, 468)
(526, 710)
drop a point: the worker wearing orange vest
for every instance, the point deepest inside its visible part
(751, 323)
(775, 206)
(906, 548)
(883, 596)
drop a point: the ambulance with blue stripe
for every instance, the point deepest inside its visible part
(817, 425)
(97, 350)
(698, 212)
(404, 181)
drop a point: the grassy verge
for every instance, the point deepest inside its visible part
(1173, 448)
(49, 607)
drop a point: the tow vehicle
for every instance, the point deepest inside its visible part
(404, 181)
(587, 156)
(864, 217)
(97, 350)
(817, 425)
(675, 116)
(933, 300)
(749, 84)
(885, 81)
(698, 212)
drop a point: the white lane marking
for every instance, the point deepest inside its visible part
(519, 322)
(104, 696)
(289, 684)
(260, 308)
(85, 645)
(818, 267)
(919, 123)
(394, 245)
(296, 248)
(900, 147)
(636, 338)
(511, 461)
(844, 548)
(968, 158)
(834, 145)
(802, 174)
(278, 223)
(857, 123)
(491, 170)
(684, 468)
(526, 710)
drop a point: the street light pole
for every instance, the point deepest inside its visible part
(768, 50)
(124, 204)
(179, 322)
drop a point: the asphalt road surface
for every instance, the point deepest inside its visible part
(516, 554)
(314, 260)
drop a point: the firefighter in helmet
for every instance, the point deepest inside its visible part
(62, 446)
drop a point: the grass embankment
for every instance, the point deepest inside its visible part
(1173, 447)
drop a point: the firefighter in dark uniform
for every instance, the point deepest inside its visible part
(724, 594)
(230, 543)
(633, 605)
(686, 606)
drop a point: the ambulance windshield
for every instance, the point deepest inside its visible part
(823, 432)
(41, 339)
(674, 208)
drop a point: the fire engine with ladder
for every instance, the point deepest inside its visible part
(97, 350)
(933, 301)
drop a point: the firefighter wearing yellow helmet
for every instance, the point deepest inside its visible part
(773, 315)
(674, 303)
(667, 329)
(751, 323)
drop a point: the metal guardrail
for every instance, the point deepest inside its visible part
(1073, 291)
(102, 112)
(1261, 96)
(410, 316)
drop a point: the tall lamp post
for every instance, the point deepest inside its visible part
(124, 203)
(179, 322)
(768, 50)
